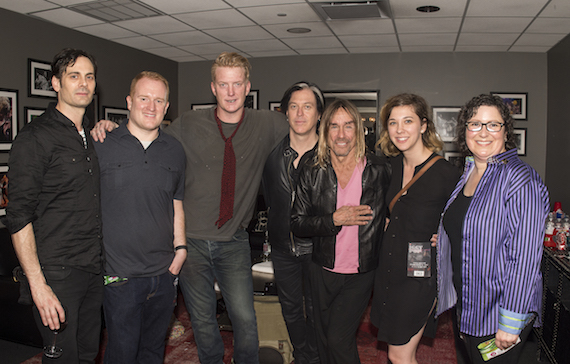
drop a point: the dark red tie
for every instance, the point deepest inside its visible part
(228, 175)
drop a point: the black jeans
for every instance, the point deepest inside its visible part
(81, 294)
(339, 303)
(510, 357)
(294, 290)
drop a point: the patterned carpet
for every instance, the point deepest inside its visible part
(181, 348)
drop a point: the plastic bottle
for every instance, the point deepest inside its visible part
(558, 210)
(549, 232)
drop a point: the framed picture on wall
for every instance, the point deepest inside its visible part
(203, 106)
(516, 102)
(445, 120)
(33, 112)
(251, 99)
(455, 158)
(520, 136)
(117, 115)
(3, 188)
(275, 106)
(39, 79)
(8, 117)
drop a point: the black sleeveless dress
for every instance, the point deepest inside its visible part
(401, 304)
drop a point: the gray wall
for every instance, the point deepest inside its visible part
(25, 37)
(558, 140)
(444, 79)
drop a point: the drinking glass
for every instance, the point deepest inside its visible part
(53, 351)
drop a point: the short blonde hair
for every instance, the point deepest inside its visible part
(323, 155)
(151, 75)
(231, 59)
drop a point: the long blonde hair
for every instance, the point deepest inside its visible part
(323, 156)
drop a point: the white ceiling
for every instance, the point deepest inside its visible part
(193, 30)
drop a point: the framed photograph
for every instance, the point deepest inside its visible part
(8, 117)
(203, 106)
(445, 120)
(251, 99)
(455, 158)
(115, 114)
(39, 79)
(520, 135)
(32, 113)
(3, 188)
(275, 106)
(516, 102)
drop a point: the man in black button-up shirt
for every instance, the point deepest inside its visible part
(54, 212)
(142, 188)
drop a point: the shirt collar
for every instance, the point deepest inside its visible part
(504, 157)
(122, 131)
(59, 116)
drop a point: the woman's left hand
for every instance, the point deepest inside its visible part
(504, 340)
(433, 240)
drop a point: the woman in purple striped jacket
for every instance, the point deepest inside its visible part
(490, 236)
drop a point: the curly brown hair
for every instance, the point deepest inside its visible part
(470, 109)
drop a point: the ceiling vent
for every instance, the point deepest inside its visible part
(350, 10)
(115, 10)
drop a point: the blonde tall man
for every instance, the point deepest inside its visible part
(226, 148)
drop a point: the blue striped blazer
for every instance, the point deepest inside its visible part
(503, 233)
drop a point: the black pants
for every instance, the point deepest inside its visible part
(339, 301)
(510, 357)
(295, 296)
(81, 294)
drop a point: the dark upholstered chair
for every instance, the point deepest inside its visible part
(17, 320)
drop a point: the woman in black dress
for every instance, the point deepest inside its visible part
(403, 306)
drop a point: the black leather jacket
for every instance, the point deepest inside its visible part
(279, 180)
(316, 201)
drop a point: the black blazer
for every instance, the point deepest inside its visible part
(315, 204)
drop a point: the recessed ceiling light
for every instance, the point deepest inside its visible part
(428, 9)
(299, 30)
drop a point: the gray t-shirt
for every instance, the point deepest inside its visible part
(198, 132)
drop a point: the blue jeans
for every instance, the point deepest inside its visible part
(230, 263)
(137, 315)
(81, 293)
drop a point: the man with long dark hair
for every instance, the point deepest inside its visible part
(303, 104)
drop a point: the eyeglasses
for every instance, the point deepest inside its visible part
(492, 126)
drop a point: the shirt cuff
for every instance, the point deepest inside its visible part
(512, 322)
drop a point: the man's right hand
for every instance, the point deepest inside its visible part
(98, 133)
(352, 215)
(50, 309)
